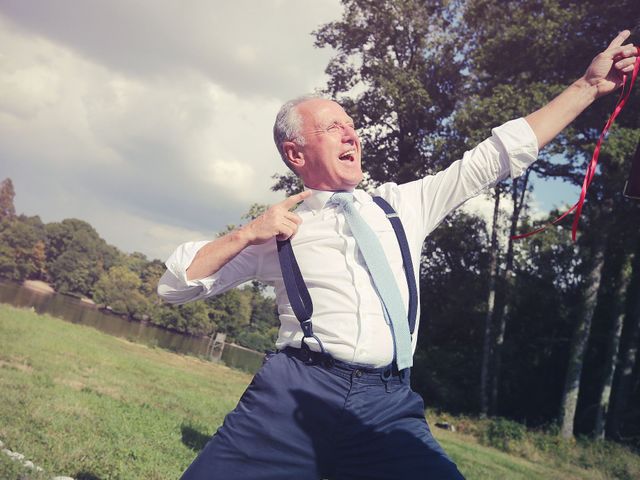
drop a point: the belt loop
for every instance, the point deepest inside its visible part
(403, 374)
(385, 376)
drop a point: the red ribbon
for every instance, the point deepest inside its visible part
(591, 169)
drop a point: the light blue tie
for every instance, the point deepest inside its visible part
(383, 278)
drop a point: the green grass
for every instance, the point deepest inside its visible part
(479, 462)
(81, 403)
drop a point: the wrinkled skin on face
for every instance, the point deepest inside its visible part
(330, 159)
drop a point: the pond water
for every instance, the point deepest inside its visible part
(76, 311)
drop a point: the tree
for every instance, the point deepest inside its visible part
(288, 183)
(193, 318)
(495, 93)
(150, 276)
(505, 289)
(616, 314)
(119, 289)
(628, 355)
(400, 58)
(20, 254)
(386, 72)
(489, 321)
(7, 194)
(447, 361)
(77, 256)
(231, 311)
(544, 56)
(579, 341)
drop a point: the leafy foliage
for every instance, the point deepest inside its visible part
(7, 194)
(400, 56)
(77, 256)
(21, 248)
(77, 261)
(427, 80)
(120, 289)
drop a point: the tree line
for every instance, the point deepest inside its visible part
(75, 260)
(541, 330)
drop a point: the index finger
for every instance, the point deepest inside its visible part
(619, 40)
(293, 200)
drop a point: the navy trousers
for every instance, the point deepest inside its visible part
(329, 420)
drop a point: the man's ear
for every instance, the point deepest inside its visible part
(294, 156)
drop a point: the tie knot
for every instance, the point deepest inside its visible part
(342, 198)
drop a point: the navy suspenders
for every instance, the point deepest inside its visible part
(299, 295)
(406, 259)
(296, 290)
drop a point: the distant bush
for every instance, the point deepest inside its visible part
(504, 434)
(610, 457)
(546, 445)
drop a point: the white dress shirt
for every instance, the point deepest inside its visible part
(347, 312)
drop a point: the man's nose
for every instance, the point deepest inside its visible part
(349, 134)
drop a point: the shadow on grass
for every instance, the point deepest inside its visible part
(86, 476)
(193, 438)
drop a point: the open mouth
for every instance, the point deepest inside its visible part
(348, 156)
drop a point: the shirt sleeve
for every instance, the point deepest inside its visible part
(174, 287)
(511, 148)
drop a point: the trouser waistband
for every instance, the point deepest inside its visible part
(370, 375)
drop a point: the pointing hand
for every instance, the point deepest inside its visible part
(278, 221)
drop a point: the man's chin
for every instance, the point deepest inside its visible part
(352, 183)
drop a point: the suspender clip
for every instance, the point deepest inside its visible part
(307, 328)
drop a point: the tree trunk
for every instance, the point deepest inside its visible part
(488, 323)
(629, 355)
(613, 344)
(518, 190)
(579, 345)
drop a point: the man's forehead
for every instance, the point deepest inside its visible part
(318, 109)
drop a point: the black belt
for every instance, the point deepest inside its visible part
(309, 357)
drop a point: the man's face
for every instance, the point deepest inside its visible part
(332, 151)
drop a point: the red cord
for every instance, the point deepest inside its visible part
(591, 169)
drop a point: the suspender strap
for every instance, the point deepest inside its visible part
(406, 259)
(298, 293)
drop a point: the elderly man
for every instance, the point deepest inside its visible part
(335, 400)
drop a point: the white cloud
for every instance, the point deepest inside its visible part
(246, 46)
(151, 121)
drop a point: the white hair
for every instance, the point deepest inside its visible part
(288, 125)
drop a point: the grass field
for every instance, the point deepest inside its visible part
(84, 404)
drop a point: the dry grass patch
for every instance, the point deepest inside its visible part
(17, 364)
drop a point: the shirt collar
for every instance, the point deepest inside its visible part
(319, 198)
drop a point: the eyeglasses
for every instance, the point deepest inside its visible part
(335, 127)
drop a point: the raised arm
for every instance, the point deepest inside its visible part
(604, 75)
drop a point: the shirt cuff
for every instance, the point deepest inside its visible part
(520, 144)
(180, 260)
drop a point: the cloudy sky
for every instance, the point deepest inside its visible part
(151, 120)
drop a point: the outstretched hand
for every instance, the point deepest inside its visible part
(607, 70)
(278, 221)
